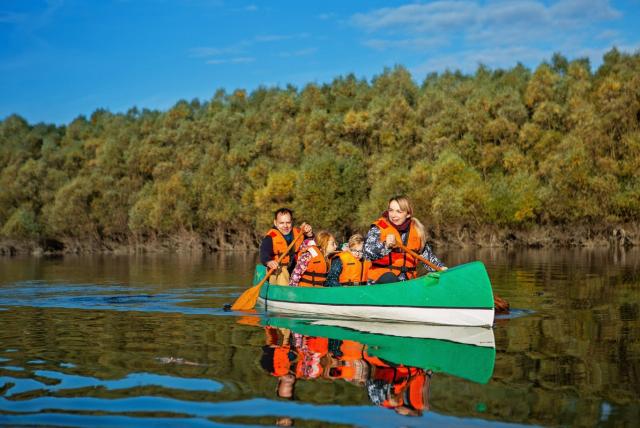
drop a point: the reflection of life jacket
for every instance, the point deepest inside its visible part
(281, 361)
(416, 390)
(410, 388)
(407, 382)
(280, 245)
(272, 335)
(317, 269)
(351, 350)
(312, 350)
(350, 361)
(397, 261)
(354, 271)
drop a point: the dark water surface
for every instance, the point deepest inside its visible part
(143, 340)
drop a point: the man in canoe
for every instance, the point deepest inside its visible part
(276, 242)
(396, 226)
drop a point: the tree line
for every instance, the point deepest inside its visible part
(506, 148)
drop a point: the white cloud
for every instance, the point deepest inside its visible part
(608, 35)
(468, 60)
(240, 50)
(235, 60)
(204, 51)
(419, 17)
(273, 38)
(300, 52)
(417, 43)
(505, 22)
(267, 38)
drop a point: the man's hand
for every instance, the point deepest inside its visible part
(271, 264)
(306, 229)
(390, 242)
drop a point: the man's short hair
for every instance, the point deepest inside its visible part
(283, 211)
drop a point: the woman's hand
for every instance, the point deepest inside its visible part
(272, 264)
(390, 242)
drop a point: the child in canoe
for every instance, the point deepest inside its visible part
(313, 261)
(348, 267)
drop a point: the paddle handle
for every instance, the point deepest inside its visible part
(418, 256)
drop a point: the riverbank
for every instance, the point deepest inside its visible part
(622, 235)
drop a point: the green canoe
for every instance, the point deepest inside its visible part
(461, 295)
(465, 352)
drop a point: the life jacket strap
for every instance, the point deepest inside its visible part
(313, 281)
(391, 267)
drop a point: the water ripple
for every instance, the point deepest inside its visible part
(62, 381)
(351, 415)
(114, 297)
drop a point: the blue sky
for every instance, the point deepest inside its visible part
(63, 58)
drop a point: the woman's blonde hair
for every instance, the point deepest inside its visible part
(322, 240)
(405, 205)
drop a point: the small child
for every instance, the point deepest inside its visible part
(348, 266)
(313, 261)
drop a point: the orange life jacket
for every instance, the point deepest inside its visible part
(316, 273)
(397, 261)
(281, 362)
(354, 271)
(280, 245)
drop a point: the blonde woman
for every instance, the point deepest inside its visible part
(396, 225)
(313, 261)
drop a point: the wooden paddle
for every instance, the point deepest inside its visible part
(500, 305)
(248, 299)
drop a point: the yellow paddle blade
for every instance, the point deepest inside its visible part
(248, 299)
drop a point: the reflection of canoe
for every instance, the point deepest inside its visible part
(461, 295)
(477, 336)
(466, 352)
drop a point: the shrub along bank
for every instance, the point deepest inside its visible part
(501, 157)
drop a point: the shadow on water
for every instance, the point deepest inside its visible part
(112, 341)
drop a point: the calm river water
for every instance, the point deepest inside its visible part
(143, 340)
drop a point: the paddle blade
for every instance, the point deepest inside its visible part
(248, 299)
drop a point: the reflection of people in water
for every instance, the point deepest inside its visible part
(279, 359)
(403, 389)
(291, 356)
(345, 362)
